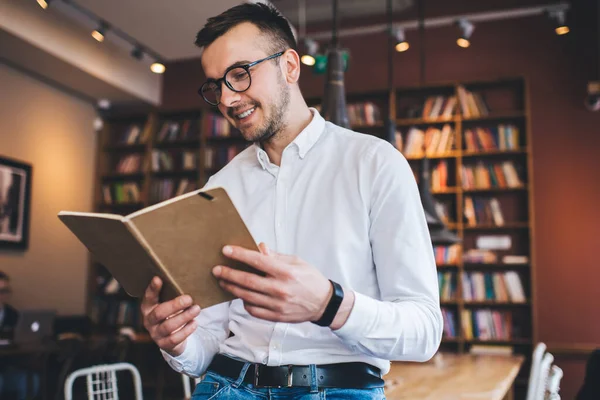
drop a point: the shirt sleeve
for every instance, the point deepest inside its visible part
(406, 323)
(202, 345)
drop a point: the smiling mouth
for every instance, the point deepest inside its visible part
(245, 114)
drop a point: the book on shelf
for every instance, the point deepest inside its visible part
(515, 259)
(487, 175)
(502, 137)
(449, 318)
(366, 113)
(496, 350)
(487, 324)
(134, 134)
(483, 211)
(472, 104)
(447, 285)
(121, 192)
(439, 107)
(171, 131)
(180, 240)
(502, 287)
(129, 164)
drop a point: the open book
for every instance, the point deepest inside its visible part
(179, 240)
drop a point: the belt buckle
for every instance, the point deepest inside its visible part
(256, 375)
(289, 377)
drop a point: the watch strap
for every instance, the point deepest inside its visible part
(332, 306)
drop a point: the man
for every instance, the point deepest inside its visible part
(350, 275)
(13, 378)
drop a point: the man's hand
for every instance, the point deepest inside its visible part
(291, 291)
(171, 322)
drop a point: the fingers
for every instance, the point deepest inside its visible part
(253, 258)
(246, 280)
(252, 297)
(175, 322)
(167, 309)
(264, 249)
(168, 343)
(151, 294)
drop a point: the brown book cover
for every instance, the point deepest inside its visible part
(179, 240)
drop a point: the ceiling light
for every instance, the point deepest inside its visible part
(99, 33)
(44, 3)
(311, 51)
(560, 19)
(157, 67)
(401, 43)
(466, 28)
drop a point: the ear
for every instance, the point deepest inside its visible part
(291, 66)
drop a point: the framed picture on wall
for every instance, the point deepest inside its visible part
(15, 196)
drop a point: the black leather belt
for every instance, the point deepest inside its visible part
(355, 375)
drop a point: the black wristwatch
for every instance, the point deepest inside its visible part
(333, 306)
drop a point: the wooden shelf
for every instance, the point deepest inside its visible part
(425, 121)
(499, 341)
(495, 116)
(124, 177)
(137, 147)
(195, 142)
(447, 266)
(452, 154)
(511, 225)
(487, 153)
(448, 190)
(176, 174)
(493, 266)
(495, 189)
(493, 303)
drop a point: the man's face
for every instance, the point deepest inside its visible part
(4, 292)
(269, 93)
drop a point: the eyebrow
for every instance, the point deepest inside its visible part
(235, 64)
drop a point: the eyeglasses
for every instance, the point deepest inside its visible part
(237, 79)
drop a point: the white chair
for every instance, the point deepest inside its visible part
(102, 381)
(542, 385)
(556, 374)
(534, 374)
(187, 389)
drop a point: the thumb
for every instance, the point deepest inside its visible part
(264, 249)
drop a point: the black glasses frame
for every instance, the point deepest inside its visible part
(220, 81)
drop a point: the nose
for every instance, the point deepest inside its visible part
(228, 96)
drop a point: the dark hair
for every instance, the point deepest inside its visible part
(4, 277)
(269, 21)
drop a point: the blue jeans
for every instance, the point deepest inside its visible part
(217, 387)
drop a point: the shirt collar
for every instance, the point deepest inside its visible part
(304, 141)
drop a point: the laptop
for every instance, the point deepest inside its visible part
(34, 326)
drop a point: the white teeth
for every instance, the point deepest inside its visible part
(245, 113)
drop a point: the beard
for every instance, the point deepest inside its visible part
(274, 115)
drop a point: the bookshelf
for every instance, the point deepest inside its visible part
(477, 135)
(144, 158)
(474, 134)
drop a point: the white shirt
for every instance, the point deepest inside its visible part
(348, 204)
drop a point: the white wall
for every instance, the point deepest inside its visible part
(53, 131)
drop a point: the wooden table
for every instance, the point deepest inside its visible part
(454, 377)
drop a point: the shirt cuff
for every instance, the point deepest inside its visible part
(359, 321)
(186, 360)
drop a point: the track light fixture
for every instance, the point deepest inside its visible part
(401, 43)
(44, 3)
(311, 51)
(559, 17)
(137, 52)
(466, 28)
(100, 32)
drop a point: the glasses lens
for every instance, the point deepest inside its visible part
(238, 79)
(211, 92)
